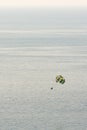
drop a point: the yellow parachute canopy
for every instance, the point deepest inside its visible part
(60, 79)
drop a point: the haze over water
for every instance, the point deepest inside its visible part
(35, 46)
(33, 27)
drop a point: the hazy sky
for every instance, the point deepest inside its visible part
(43, 3)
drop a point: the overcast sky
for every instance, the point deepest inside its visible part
(43, 3)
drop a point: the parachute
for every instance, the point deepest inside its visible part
(60, 79)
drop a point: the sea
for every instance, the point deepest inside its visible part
(36, 45)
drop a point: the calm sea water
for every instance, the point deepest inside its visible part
(34, 48)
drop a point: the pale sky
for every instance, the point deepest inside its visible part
(43, 3)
